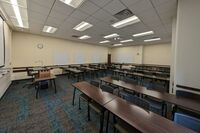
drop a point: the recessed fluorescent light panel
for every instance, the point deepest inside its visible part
(84, 37)
(49, 29)
(117, 44)
(106, 41)
(16, 10)
(128, 21)
(143, 34)
(128, 40)
(82, 26)
(73, 3)
(111, 36)
(153, 39)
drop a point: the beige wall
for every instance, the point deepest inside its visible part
(157, 54)
(131, 54)
(147, 54)
(55, 51)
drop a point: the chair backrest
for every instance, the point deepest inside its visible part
(95, 83)
(115, 77)
(44, 73)
(130, 80)
(186, 94)
(28, 70)
(107, 88)
(187, 121)
(147, 83)
(138, 101)
(158, 86)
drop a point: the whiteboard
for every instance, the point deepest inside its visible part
(61, 59)
(2, 45)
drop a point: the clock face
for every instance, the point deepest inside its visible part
(40, 46)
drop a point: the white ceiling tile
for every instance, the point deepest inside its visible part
(92, 20)
(52, 21)
(37, 17)
(140, 6)
(79, 15)
(114, 7)
(104, 16)
(100, 3)
(62, 8)
(45, 3)
(129, 2)
(88, 7)
(58, 16)
(32, 6)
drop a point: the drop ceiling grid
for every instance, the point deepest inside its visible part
(155, 15)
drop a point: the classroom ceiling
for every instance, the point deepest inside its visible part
(155, 15)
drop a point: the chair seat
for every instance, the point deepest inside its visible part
(84, 97)
(113, 86)
(96, 107)
(123, 127)
(155, 106)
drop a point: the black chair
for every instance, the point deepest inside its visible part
(130, 80)
(156, 105)
(122, 126)
(189, 95)
(98, 108)
(30, 74)
(95, 83)
(107, 88)
(85, 97)
(137, 101)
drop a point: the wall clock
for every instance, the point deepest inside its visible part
(40, 46)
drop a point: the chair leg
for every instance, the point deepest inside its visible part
(114, 121)
(79, 103)
(88, 111)
(101, 121)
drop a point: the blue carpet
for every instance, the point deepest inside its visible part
(21, 112)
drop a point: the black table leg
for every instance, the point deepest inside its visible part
(37, 87)
(54, 82)
(107, 121)
(74, 96)
(101, 122)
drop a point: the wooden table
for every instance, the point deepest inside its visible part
(93, 92)
(38, 80)
(170, 98)
(142, 75)
(75, 72)
(92, 71)
(143, 120)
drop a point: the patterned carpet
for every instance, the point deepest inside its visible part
(21, 112)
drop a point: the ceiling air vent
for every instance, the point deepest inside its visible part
(126, 13)
(75, 36)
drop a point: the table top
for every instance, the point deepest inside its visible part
(44, 78)
(89, 68)
(72, 70)
(95, 93)
(143, 75)
(143, 120)
(180, 101)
